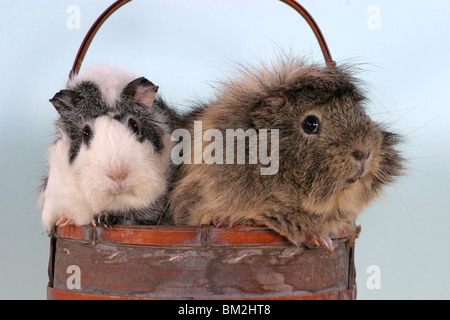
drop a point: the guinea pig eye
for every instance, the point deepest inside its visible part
(311, 125)
(132, 124)
(87, 134)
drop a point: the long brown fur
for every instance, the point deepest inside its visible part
(313, 192)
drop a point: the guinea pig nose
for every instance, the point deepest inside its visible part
(118, 174)
(359, 155)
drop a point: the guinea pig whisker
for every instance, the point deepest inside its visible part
(382, 179)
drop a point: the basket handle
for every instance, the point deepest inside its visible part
(119, 3)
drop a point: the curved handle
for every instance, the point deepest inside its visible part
(315, 28)
(119, 3)
(91, 34)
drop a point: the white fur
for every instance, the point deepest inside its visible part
(82, 189)
(62, 195)
(111, 80)
(116, 147)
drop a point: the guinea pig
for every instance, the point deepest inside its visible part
(287, 145)
(110, 161)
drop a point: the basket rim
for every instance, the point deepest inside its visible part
(205, 236)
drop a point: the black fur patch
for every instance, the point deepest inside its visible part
(154, 122)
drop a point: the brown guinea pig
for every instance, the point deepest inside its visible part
(288, 146)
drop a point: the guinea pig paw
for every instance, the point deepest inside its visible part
(320, 240)
(63, 221)
(222, 223)
(101, 221)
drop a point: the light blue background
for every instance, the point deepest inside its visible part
(183, 46)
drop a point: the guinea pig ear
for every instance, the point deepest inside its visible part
(270, 104)
(264, 112)
(141, 90)
(277, 101)
(65, 100)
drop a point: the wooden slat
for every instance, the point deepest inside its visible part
(116, 269)
(56, 294)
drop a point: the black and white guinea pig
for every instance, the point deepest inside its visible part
(110, 160)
